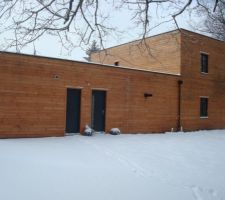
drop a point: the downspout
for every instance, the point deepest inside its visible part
(179, 127)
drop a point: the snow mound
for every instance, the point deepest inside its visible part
(88, 131)
(114, 131)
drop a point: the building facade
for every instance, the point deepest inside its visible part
(178, 85)
(198, 60)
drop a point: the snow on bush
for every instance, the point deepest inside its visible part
(88, 131)
(114, 131)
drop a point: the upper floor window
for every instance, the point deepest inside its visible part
(203, 107)
(204, 62)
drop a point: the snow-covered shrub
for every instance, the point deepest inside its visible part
(88, 131)
(114, 131)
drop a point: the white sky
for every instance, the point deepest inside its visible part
(49, 45)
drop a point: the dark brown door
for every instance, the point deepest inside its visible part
(73, 110)
(98, 110)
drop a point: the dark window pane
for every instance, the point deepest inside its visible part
(203, 107)
(204, 63)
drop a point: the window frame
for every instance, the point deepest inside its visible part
(202, 68)
(207, 107)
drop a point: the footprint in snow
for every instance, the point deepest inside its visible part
(200, 193)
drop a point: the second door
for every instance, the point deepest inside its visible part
(98, 110)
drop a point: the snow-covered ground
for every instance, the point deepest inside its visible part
(173, 166)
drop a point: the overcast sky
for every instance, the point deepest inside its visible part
(49, 45)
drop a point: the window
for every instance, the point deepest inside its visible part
(203, 107)
(204, 63)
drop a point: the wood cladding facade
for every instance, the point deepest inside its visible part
(33, 100)
(160, 53)
(178, 52)
(33, 90)
(197, 84)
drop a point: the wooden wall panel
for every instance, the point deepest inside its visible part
(33, 103)
(159, 53)
(197, 84)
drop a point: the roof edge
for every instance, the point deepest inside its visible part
(209, 37)
(179, 30)
(89, 63)
(155, 35)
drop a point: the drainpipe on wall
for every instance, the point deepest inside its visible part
(179, 127)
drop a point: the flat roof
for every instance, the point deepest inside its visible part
(90, 63)
(167, 32)
(108, 65)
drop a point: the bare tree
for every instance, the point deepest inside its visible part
(30, 20)
(214, 23)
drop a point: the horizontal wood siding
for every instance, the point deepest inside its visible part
(159, 53)
(197, 84)
(33, 101)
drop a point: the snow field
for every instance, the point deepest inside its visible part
(172, 166)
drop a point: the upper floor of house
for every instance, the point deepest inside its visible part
(179, 52)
